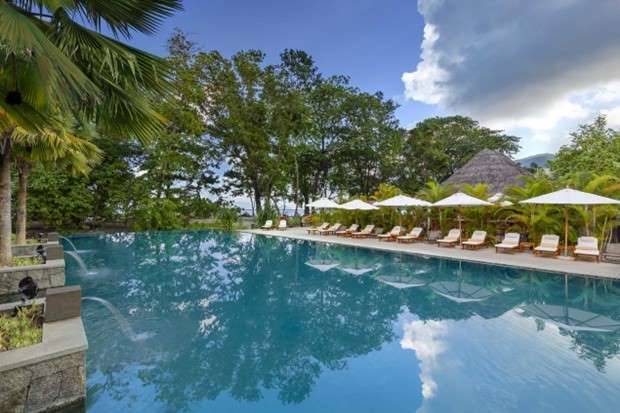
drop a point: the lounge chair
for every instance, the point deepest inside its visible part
(347, 232)
(268, 224)
(314, 230)
(363, 233)
(611, 252)
(549, 245)
(510, 243)
(282, 225)
(414, 235)
(375, 233)
(478, 240)
(390, 236)
(587, 247)
(331, 230)
(451, 239)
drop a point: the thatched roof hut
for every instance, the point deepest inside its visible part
(489, 167)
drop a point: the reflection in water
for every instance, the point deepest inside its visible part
(257, 324)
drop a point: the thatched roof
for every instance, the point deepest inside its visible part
(489, 167)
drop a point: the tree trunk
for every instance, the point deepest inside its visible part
(257, 200)
(22, 196)
(6, 257)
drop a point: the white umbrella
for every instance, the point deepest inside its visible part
(496, 198)
(569, 196)
(322, 265)
(400, 282)
(569, 318)
(323, 203)
(357, 204)
(355, 270)
(403, 201)
(461, 200)
(461, 292)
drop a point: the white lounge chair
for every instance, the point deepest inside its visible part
(331, 230)
(510, 243)
(587, 247)
(414, 235)
(282, 225)
(478, 240)
(366, 232)
(268, 224)
(549, 245)
(390, 236)
(314, 230)
(451, 239)
(347, 232)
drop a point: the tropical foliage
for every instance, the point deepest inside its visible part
(57, 65)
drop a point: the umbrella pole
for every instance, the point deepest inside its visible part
(565, 231)
(460, 230)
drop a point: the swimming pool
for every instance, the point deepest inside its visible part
(212, 321)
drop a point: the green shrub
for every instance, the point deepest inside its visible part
(227, 217)
(264, 215)
(23, 261)
(154, 214)
(294, 221)
(21, 330)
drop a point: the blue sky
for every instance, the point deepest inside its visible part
(534, 69)
(371, 41)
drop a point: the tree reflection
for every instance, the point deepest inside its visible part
(243, 315)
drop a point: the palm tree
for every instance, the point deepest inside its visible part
(60, 149)
(433, 191)
(53, 68)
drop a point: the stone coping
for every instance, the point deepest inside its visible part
(483, 256)
(59, 339)
(35, 244)
(48, 264)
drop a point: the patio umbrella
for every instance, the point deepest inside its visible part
(400, 281)
(399, 201)
(403, 201)
(322, 265)
(569, 318)
(357, 205)
(567, 197)
(358, 270)
(323, 203)
(461, 292)
(460, 200)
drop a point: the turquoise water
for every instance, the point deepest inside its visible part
(207, 321)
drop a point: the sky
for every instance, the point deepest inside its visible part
(535, 69)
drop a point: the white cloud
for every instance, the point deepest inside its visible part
(540, 68)
(425, 338)
(613, 116)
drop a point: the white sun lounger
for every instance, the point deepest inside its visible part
(510, 243)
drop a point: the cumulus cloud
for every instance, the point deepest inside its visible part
(513, 64)
(426, 340)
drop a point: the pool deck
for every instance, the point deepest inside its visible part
(524, 260)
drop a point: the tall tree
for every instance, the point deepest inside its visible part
(52, 67)
(437, 146)
(593, 148)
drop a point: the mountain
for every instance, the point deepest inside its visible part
(540, 160)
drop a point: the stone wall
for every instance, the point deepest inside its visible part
(43, 386)
(50, 274)
(22, 250)
(47, 375)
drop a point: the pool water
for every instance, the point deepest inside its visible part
(209, 321)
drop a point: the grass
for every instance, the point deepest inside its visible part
(22, 330)
(24, 261)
